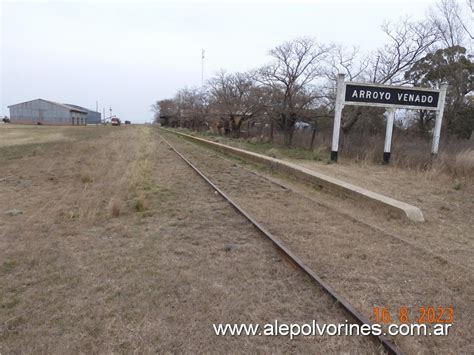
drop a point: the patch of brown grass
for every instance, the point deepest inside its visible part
(12, 134)
(140, 205)
(455, 160)
(86, 179)
(457, 165)
(115, 208)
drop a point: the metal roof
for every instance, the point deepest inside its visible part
(54, 103)
(81, 108)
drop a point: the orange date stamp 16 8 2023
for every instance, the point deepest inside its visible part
(420, 315)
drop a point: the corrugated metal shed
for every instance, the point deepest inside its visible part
(42, 111)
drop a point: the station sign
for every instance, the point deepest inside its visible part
(388, 96)
(392, 98)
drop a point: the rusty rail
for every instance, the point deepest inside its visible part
(386, 343)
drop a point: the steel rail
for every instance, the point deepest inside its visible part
(384, 340)
(347, 215)
(226, 157)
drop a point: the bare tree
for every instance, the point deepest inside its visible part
(236, 97)
(291, 76)
(348, 61)
(408, 42)
(448, 17)
(164, 111)
(193, 107)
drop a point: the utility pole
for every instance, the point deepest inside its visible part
(202, 68)
(110, 109)
(103, 114)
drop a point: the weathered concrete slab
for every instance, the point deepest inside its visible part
(321, 181)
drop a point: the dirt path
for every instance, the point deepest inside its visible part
(110, 243)
(369, 268)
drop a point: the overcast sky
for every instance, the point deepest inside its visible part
(126, 55)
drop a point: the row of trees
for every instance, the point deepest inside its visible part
(297, 87)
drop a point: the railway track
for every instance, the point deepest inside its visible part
(366, 265)
(293, 257)
(383, 232)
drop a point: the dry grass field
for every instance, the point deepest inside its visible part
(110, 243)
(13, 135)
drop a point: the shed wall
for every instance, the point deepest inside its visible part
(44, 112)
(93, 117)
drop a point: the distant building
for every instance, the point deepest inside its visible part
(93, 117)
(46, 112)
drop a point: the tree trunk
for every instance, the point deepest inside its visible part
(226, 128)
(235, 126)
(421, 122)
(272, 127)
(289, 132)
(346, 127)
(290, 120)
(313, 135)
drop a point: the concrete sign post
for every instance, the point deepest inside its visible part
(391, 97)
(439, 120)
(337, 116)
(388, 135)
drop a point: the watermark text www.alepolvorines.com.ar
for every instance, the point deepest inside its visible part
(313, 328)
